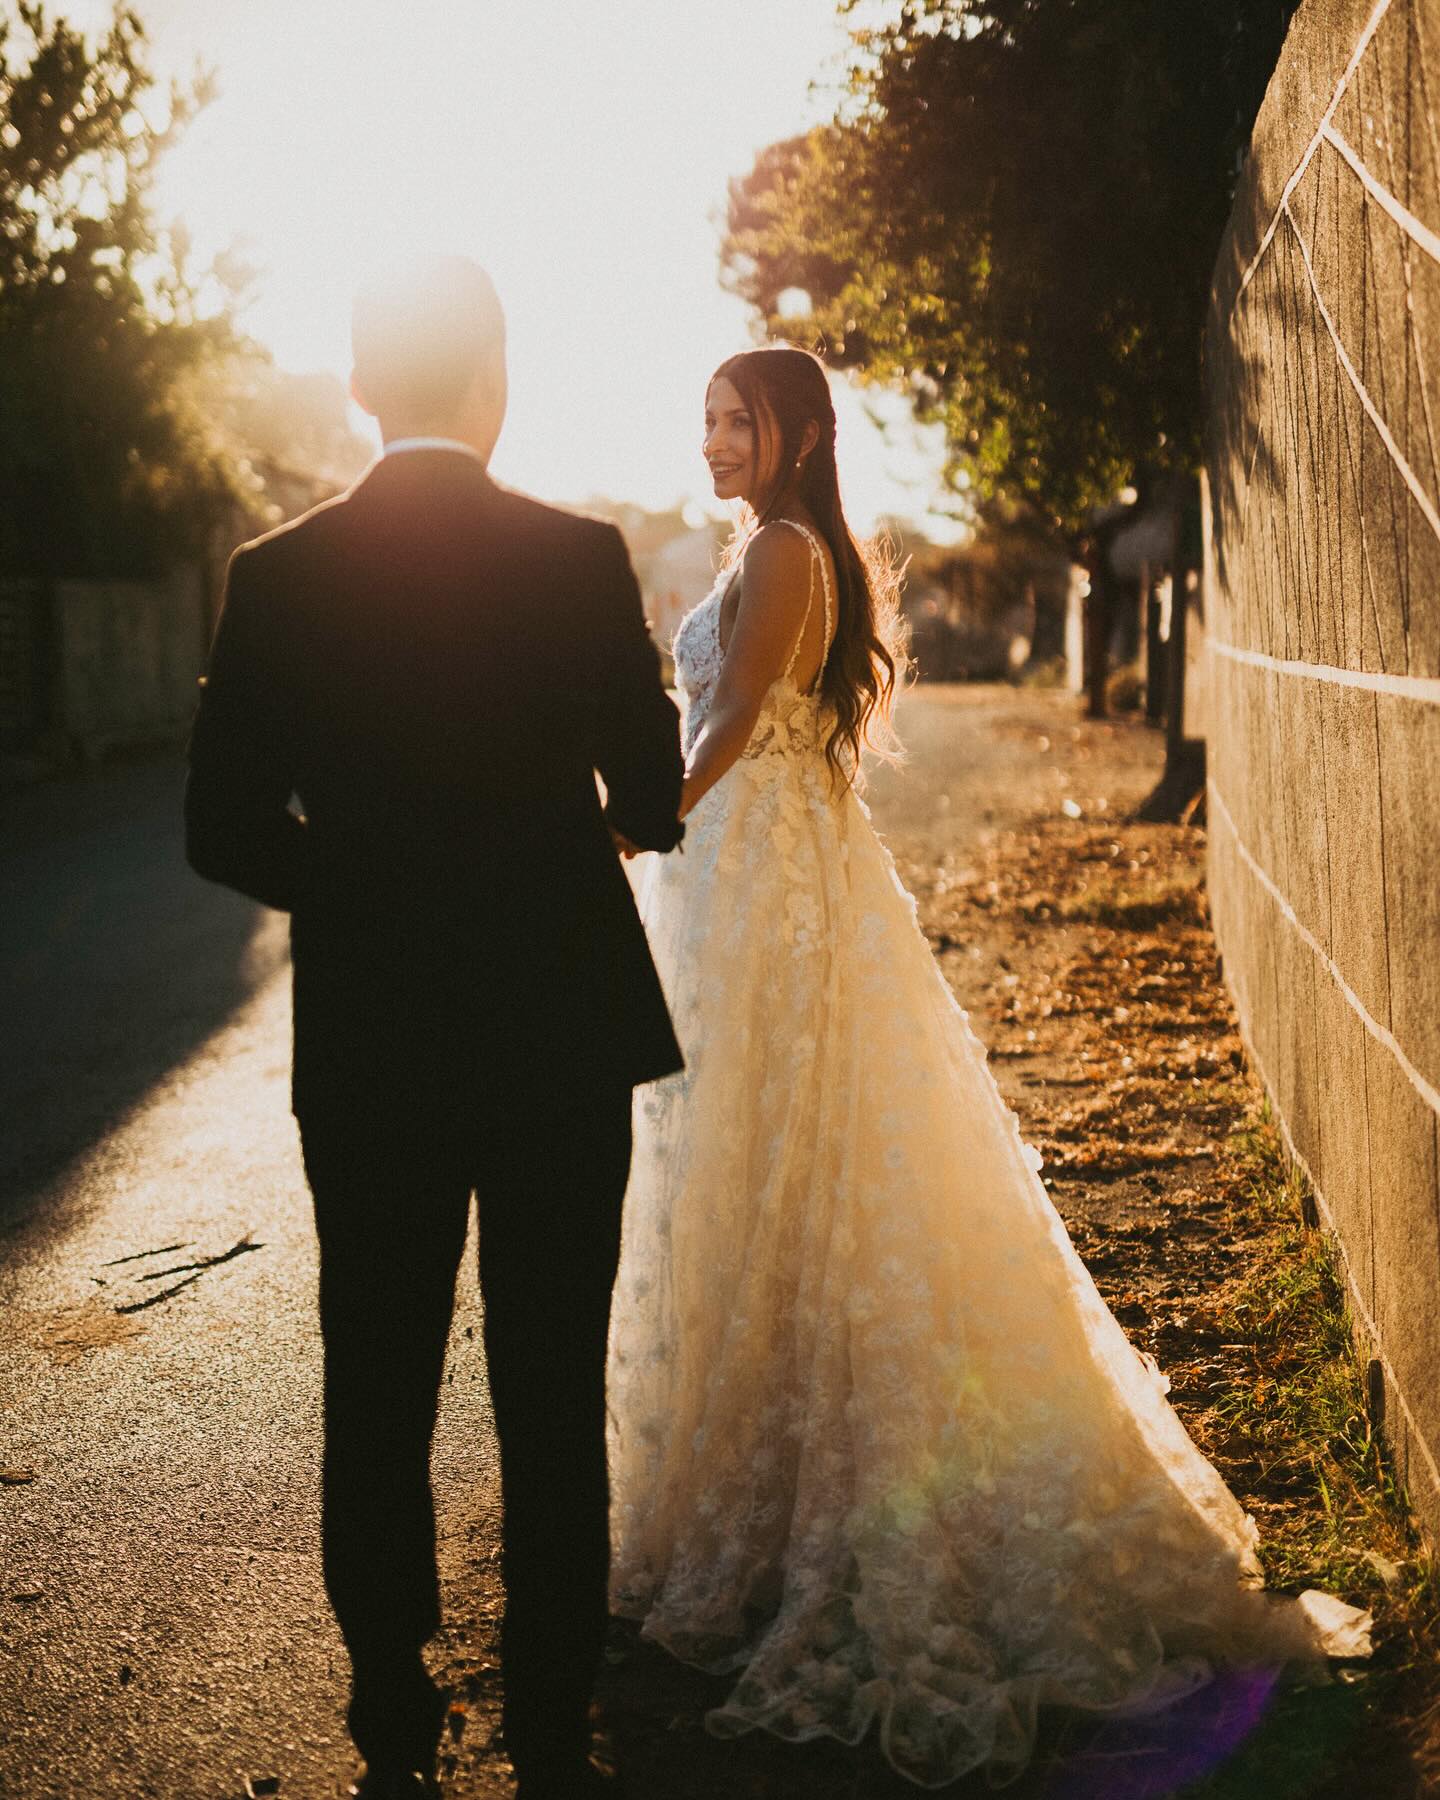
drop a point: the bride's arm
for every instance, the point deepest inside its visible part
(774, 593)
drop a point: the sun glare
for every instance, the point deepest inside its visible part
(581, 153)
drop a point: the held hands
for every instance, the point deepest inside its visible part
(688, 797)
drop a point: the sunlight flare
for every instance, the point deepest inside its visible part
(584, 159)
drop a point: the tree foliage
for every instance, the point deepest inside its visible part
(105, 468)
(1014, 216)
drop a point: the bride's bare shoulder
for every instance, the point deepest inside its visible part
(776, 565)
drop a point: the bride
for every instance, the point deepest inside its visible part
(877, 1445)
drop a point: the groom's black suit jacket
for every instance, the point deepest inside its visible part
(435, 667)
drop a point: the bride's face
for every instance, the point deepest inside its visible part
(731, 442)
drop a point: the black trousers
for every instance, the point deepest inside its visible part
(391, 1207)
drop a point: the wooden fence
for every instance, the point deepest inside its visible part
(1322, 685)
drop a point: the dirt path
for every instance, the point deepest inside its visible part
(1078, 942)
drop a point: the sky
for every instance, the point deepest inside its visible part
(580, 151)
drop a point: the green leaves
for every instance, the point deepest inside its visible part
(103, 468)
(1020, 201)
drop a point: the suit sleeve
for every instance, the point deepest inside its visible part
(638, 744)
(239, 829)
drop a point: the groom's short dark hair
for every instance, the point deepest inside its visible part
(422, 331)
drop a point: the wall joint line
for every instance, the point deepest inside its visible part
(1386, 436)
(1423, 689)
(1372, 25)
(1381, 1034)
(1414, 228)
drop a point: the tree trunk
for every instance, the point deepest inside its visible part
(1180, 788)
(1099, 622)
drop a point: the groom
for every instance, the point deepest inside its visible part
(435, 668)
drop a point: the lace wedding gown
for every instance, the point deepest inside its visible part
(877, 1443)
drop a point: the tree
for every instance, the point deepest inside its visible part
(105, 467)
(1013, 217)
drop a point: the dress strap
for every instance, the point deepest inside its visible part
(809, 602)
(819, 556)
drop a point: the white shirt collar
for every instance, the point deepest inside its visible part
(397, 445)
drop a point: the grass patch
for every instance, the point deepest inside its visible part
(1300, 1419)
(1305, 1413)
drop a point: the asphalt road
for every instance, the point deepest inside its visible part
(163, 1631)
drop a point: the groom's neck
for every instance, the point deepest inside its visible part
(394, 427)
(393, 430)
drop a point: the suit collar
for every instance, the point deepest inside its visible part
(426, 469)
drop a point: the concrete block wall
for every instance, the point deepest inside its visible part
(129, 654)
(1322, 646)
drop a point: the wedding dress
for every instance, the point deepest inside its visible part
(877, 1444)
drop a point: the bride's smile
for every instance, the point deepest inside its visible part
(729, 442)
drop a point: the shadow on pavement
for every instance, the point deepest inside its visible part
(116, 962)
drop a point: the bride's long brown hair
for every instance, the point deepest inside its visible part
(784, 389)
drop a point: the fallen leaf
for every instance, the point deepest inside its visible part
(1388, 1571)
